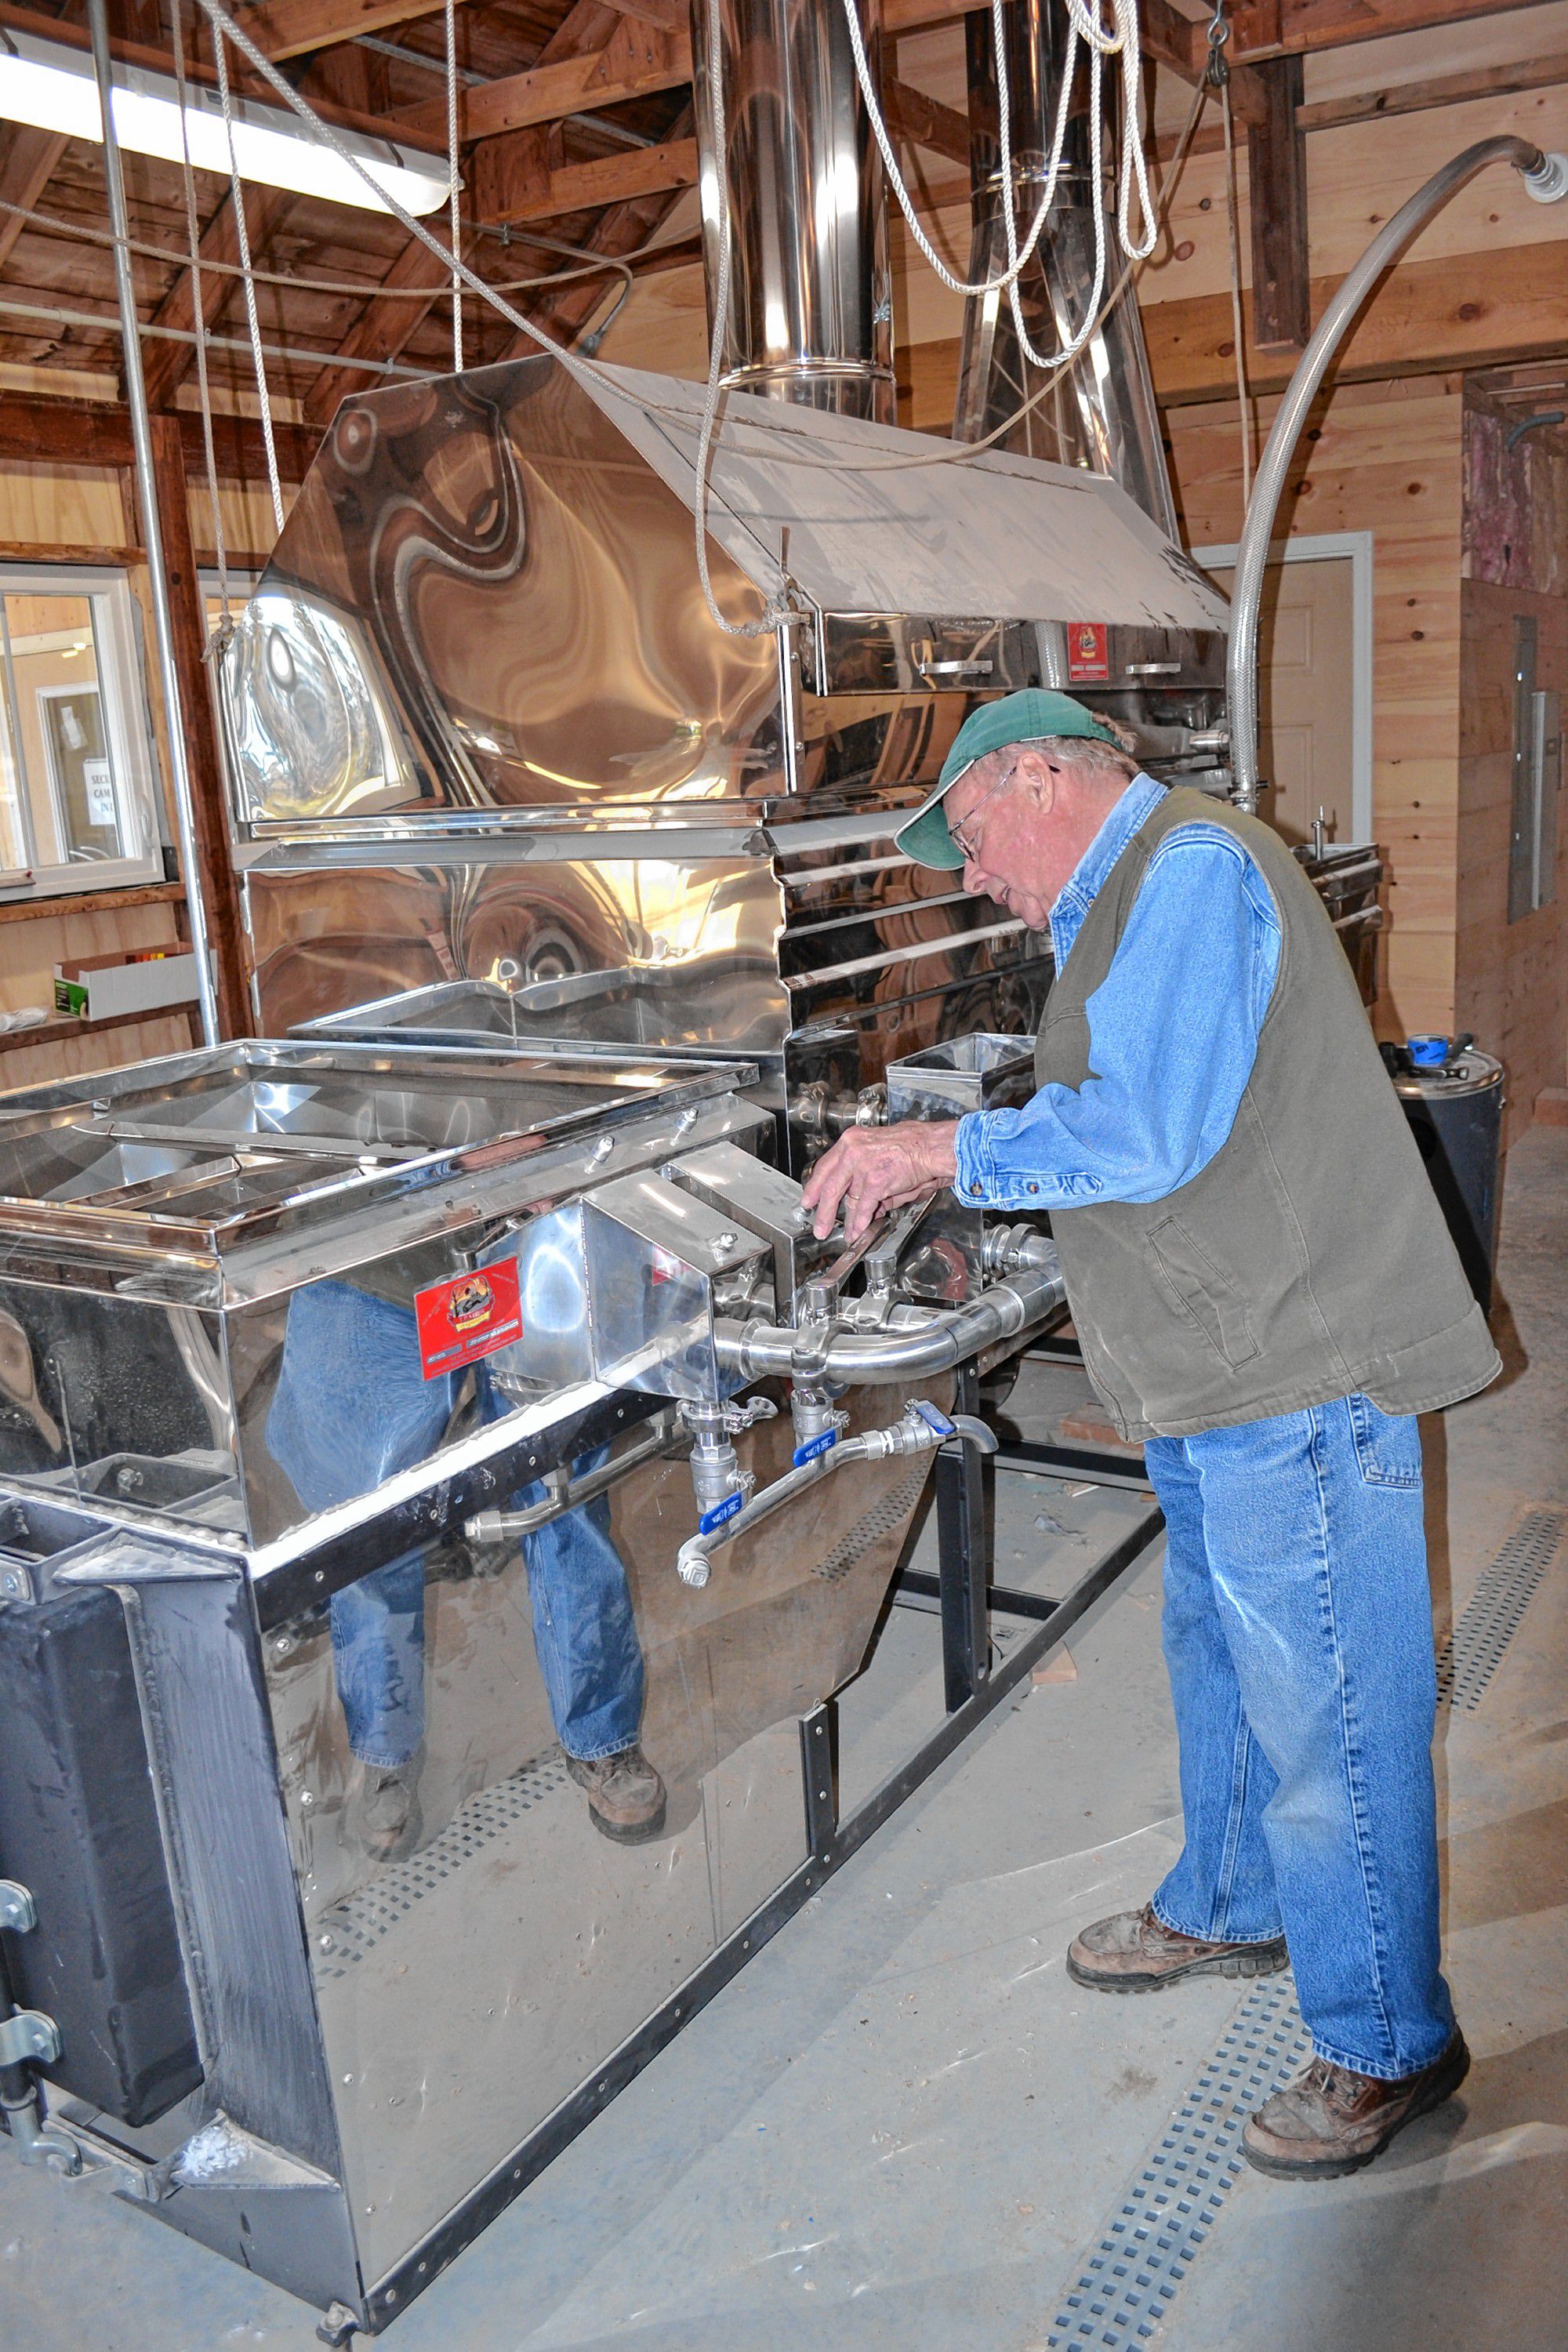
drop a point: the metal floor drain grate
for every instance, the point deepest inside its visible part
(1179, 2191)
(355, 1926)
(1473, 1652)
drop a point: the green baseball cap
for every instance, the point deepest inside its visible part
(1023, 718)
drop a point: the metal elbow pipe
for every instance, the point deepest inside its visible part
(858, 1359)
(1546, 178)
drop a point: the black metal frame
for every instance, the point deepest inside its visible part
(974, 1688)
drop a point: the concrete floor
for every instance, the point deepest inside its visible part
(903, 2128)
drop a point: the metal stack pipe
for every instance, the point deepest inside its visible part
(808, 313)
(1102, 414)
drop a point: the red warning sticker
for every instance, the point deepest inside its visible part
(469, 1317)
(1089, 653)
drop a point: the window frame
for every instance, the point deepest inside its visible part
(126, 714)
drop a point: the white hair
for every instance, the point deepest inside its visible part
(1088, 754)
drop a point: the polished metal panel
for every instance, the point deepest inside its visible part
(466, 1990)
(482, 601)
(767, 1200)
(661, 1265)
(199, 1256)
(979, 1072)
(809, 317)
(1102, 414)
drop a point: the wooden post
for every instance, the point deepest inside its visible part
(216, 877)
(1276, 181)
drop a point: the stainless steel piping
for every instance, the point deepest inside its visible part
(921, 1430)
(151, 531)
(1102, 414)
(951, 1336)
(810, 312)
(1546, 177)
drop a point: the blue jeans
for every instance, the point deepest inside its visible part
(1297, 1634)
(352, 1407)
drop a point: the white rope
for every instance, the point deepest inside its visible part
(242, 231)
(199, 321)
(451, 14)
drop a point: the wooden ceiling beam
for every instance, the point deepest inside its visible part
(515, 179)
(27, 163)
(1262, 28)
(922, 121)
(1277, 211)
(637, 59)
(81, 433)
(384, 328)
(288, 29)
(166, 365)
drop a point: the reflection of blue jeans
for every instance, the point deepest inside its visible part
(350, 1409)
(1299, 1638)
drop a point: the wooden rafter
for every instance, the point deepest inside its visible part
(923, 121)
(1276, 209)
(167, 364)
(515, 179)
(1262, 28)
(638, 59)
(27, 163)
(386, 325)
(384, 328)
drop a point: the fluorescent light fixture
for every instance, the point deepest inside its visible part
(54, 89)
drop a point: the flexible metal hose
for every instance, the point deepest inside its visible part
(1547, 184)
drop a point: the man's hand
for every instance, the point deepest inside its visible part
(871, 1169)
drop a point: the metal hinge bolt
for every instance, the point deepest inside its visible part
(17, 1909)
(28, 2036)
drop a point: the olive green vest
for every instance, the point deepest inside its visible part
(1309, 1259)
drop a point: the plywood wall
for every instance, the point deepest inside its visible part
(1384, 458)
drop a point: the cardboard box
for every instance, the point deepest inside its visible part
(97, 987)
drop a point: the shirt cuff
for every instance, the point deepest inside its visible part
(984, 1181)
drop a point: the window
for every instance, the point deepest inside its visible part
(77, 792)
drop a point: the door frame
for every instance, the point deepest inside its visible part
(1319, 547)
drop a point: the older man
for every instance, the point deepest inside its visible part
(1267, 1296)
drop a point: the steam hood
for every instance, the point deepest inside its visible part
(994, 536)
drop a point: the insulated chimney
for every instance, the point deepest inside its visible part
(1101, 415)
(809, 316)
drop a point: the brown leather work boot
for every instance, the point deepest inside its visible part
(626, 1795)
(1333, 2121)
(1133, 1952)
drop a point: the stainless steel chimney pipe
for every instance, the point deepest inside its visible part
(1102, 414)
(810, 308)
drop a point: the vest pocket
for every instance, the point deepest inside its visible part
(1208, 1297)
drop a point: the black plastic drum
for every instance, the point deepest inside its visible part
(1455, 1108)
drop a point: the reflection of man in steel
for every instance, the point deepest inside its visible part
(352, 1407)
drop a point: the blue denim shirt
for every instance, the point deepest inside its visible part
(1172, 1028)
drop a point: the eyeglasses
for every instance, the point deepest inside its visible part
(958, 833)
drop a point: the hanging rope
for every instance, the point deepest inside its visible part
(451, 14)
(199, 321)
(242, 231)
